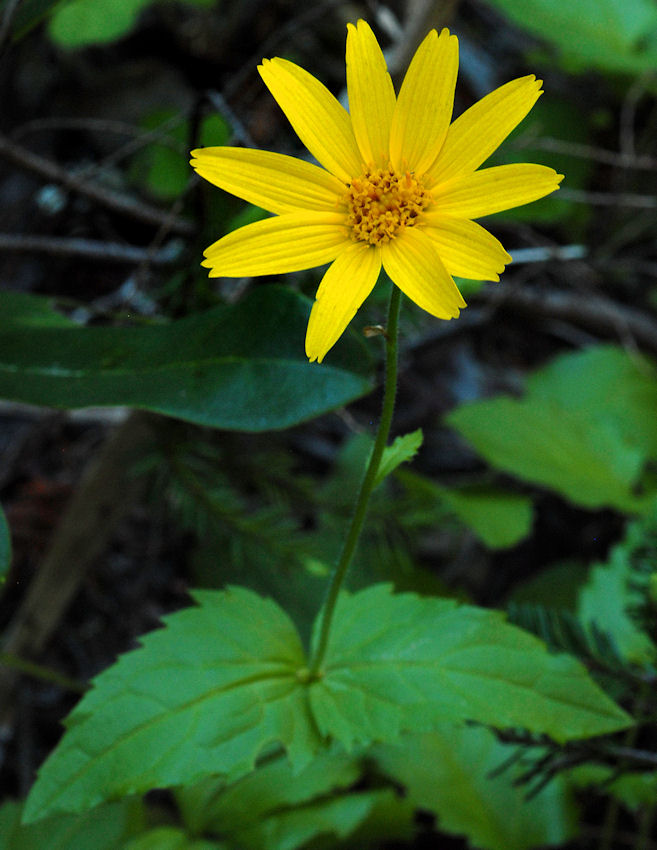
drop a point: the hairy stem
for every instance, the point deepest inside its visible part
(360, 510)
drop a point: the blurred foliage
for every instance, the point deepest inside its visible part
(617, 36)
(585, 428)
(80, 23)
(162, 168)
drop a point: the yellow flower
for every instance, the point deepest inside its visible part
(399, 185)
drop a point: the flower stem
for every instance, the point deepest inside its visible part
(360, 510)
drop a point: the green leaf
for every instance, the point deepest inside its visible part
(170, 838)
(272, 787)
(606, 600)
(102, 828)
(402, 663)
(5, 547)
(277, 808)
(452, 773)
(339, 816)
(605, 381)
(402, 449)
(80, 23)
(205, 695)
(239, 367)
(498, 519)
(609, 35)
(19, 309)
(584, 428)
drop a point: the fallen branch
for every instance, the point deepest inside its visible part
(112, 200)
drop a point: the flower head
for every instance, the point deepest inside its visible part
(398, 186)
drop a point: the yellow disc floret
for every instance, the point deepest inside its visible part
(381, 202)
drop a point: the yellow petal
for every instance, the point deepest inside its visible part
(286, 243)
(275, 182)
(344, 287)
(482, 128)
(425, 103)
(413, 264)
(371, 94)
(491, 190)
(321, 123)
(466, 249)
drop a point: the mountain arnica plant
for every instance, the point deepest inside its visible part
(257, 726)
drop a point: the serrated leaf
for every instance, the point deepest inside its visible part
(610, 35)
(272, 787)
(339, 815)
(205, 695)
(605, 600)
(276, 808)
(403, 448)
(103, 828)
(170, 838)
(238, 367)
(568, 436)
(402, 663)
(449, 772)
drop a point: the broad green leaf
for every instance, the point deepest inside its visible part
(577, 451)
(207, 694)
(497, 517)
(402, 449)
(450, 772)
(402, 663)
(339, 815)
(102, 828)
(5, 547)
(605, 381)
(20, 309)
(274, 786)
(80, 23)
(238, 367)
(608, 35)
(276, 808)
(171, 838)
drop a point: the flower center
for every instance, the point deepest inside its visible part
(382, 202)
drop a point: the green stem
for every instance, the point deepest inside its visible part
(45, 674)
(360, 510)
